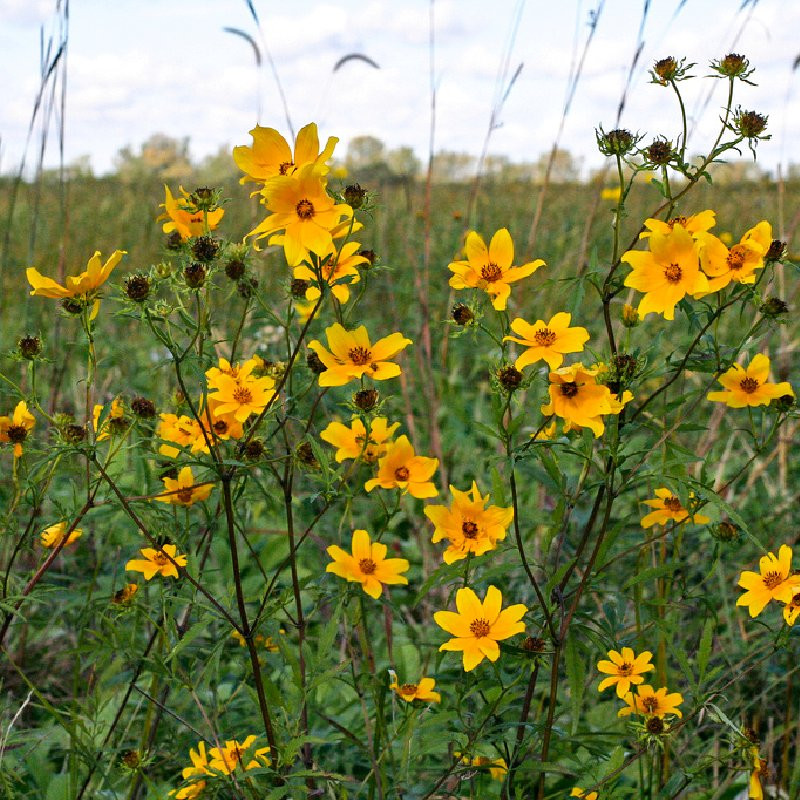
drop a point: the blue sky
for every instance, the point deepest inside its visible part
(139, 67)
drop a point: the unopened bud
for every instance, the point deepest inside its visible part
(29, 347)
(366, 399)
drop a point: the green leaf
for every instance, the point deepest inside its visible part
(704, 650)
(576, 674)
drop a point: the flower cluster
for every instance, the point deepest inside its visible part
(685, 259)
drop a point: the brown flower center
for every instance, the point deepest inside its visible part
(673, 504)
(569, 388)
(359, 355)
(161, 559)
(285, 167)
(242, 395)
(401, 474)
(544, 338)
(625, 669)
(408, 688)
(185, 496)
(221, 427)
(772, 579)
(469, 529)
(480, 628)
(17, 433)
(650, 704)
(305, 209)
(367, 566)
(491, 273)
(677, 221)
(736, 257)
(673, 273)
(748, 385)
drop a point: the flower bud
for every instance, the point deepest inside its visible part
(773, 307)
(749, 124)
(73, 433)
(305, 455)
(369, 255)
(253, 450)
(205, 198)
(174, 241)
(630, 316)
(732, 65)
(315, 363)
(143, 408)
(533, 644)
(194, 275)
(785, 403)
(726, 531)
(246, 287)
(659, 152)
(615, 143)
(776, 250)
(205, 248)
(462, 315)
(30, 347)
(299, 287)
(71, 305)
(509, 378)
(655, 725)
(137, 287)
(366, 399)
(354, 195)
(234, 269)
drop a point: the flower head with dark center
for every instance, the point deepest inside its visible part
(478, 625)
(367, 564)
(490, 268)
(750, 386)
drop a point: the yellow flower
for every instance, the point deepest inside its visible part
(546, 434)
(125, 594)
(611, 194)
(497, 767)
(351, 356)
(367, 565)
(183, 491)
(694, 224)
(576, 397)
(117, 412)
(625, 669)
(258, 639)
(792, 608)
(199, 761)
(301, 207)
(237, 393)
(400, 468)
(547, 341)
(190, 792)
(226, 759)
(157, 562)
(578, 792)
(651, 703)
(468, 525)
(15, 429)
(755, 791)
(750, 387)
(423, 690)
(53, 536)
(353, 442)
(478, 625)
(775, 582)
(185, 218)
(666, 273)
(490, 268)
(668, 507)
(271, 156)
(739, 263)
(83, 285)
(337, 270)
(181, 430)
